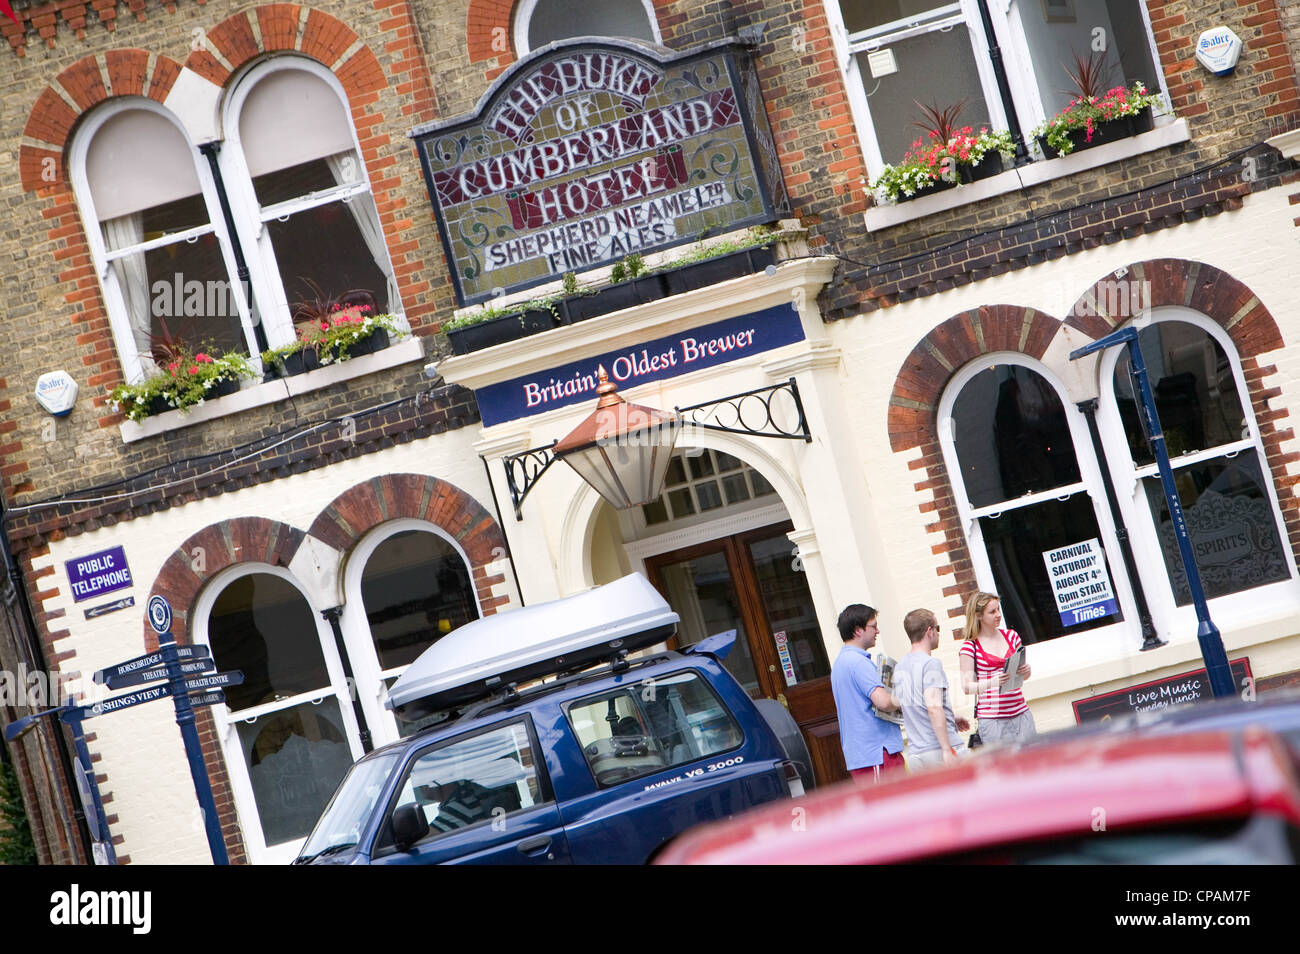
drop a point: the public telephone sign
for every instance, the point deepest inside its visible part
(590, 152)
(1080, 582)
(98, 573)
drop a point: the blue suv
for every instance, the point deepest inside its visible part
(603, 763)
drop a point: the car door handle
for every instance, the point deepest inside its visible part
(537, 845)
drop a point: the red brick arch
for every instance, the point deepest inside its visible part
(962, 338)
(490, 32)
(361, 508)
(280, 27)
(129, 72)
(1203, 288)
(211, 550)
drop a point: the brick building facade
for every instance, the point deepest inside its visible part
(914, 325)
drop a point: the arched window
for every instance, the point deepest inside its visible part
(1216, 456)
(1038, 534)
(309, 225)
(538, 22)
(288, 731)
(407, 587)
(293, 179)
(157, 236)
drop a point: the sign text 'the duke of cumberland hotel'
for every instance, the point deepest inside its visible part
(593, 153)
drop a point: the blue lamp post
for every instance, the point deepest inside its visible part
(1207, 634)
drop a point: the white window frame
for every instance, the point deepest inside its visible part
(371, 691)
(134, 367)
(524, 15)
(227, 724)
(1179, 623)
(250, 218)
(1075, 650)
(1011, 40)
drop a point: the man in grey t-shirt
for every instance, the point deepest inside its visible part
(922, 690)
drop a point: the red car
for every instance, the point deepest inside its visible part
(1202, 798)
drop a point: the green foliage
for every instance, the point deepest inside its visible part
(183, 382)
(570, 284)
(1087, 113)
(756, 237)
(16, 845)
(634, 264)
(330, 337)
(618, 273)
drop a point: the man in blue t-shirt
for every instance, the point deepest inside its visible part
(872, 746)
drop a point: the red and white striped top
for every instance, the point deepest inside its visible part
(994, 703)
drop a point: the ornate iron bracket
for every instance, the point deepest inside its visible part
(523, 471)
(751, 413)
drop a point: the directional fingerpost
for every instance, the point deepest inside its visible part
(146, 676)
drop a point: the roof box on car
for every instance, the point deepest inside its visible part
(478, 659)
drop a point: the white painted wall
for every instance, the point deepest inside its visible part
(141, 750)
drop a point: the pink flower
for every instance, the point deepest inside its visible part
(202, 358)
(194, 369)
(173, 366)
(324, 326)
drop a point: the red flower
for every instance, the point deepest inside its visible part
(194, 369)
(324, 326)
(202, 358)
(173, 366)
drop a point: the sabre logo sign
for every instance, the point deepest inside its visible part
(77, 907)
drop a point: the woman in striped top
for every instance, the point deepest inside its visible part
(1004, 717)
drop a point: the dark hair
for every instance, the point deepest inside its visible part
(917, 623)
(854, 617)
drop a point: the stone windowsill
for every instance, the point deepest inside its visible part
(887, 216)
(256, 395)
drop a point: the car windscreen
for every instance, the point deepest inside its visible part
(352, 805)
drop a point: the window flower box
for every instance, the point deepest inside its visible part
(719, 268)
(627, 294)
(185, 380)
(495, 329)
(345, 333)
(953, 156)
(1095, 120)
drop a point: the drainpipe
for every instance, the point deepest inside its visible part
(332, 615)
(209, 150)
(1004, 86)
(1150, 640)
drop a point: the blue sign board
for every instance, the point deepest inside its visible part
(667, 357)
(144, 676)
(194, 651)
(98, 573)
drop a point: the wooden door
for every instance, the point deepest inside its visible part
(754, 584)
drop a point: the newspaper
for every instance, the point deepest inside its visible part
(1014, 662)
(887, 664)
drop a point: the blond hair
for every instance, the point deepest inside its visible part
(975, 607)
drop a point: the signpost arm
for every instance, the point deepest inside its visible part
(1207, 634)
(193, 748)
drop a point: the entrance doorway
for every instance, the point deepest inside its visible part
(753, 583)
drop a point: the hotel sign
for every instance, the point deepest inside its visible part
(705, 347)
(590, 152)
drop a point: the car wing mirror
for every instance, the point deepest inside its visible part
(409, 826)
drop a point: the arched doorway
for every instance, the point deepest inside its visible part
(716, 544)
